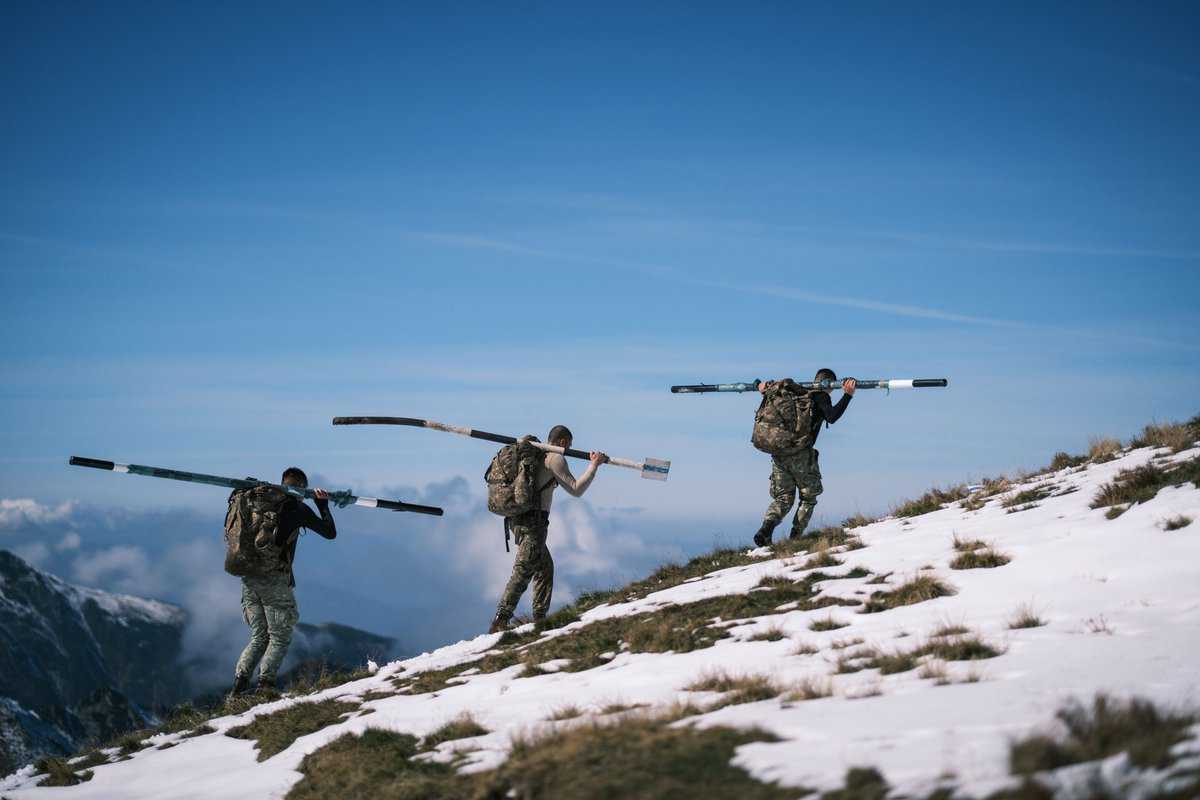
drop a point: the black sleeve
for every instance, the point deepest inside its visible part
(827, 410)
(295, 515)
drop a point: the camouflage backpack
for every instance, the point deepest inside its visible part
(250, 526)
(512, 479)
(784, 420)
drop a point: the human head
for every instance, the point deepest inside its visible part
(294, 476)
(826, 374)
(560, 436)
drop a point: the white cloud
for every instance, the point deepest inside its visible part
(36, 553)
(122, 568)
(19, 512)
(69, 542)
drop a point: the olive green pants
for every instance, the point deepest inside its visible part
(532, 562)
(792, 473)
(269, 608)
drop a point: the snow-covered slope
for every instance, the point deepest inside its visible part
(1118, 598)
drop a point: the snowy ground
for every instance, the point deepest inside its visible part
(1119, 598)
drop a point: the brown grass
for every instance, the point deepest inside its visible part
(771, 634)
(1028, 496)
(1142, 483)
(916, 590)
(857, 521)
(59, 773)
(566, 712)
(827, 624)
(950, 629)
(275, 732)
(635, 758)
(1177, 436)
(737, 689)
(932, 500)
(985, 558)
(1109, 726)
(809, 689)
(935, 671)
(1103, 448)
(967, 545)
(1025, 617)
(1175, 523)
(463, 726)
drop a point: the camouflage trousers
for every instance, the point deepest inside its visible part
(269, 608)
(791, 472)
(533, 562)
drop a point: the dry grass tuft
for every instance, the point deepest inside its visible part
(979, 559)
(858, 521)
(936, 671)
(827, 624)
(1177, 436)
(771, 634)
(737, 689)
(842, 644)
(1063, 461)
(967, 545)
(950, 629)
(916, 590)
(964, 648)
(1103, 448)
(564, 713)
(1025, 617)
(463, 726)
(809, 689)
(59, 773)
(1135, 727)
(932, 500)
(805, 649)
(1142, 483)
(1175, 523)
(275, 732)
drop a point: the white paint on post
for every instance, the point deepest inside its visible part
(120, 468)
(441, 426)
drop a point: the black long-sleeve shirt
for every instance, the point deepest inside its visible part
(827, 411)
(295, 515)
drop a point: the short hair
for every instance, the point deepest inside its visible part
(560, 432)
(825, 373)
(296, 474)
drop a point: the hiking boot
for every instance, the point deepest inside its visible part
(266, 685)
(795, 534)
(763, 537)
(241, 685)
(499, 623)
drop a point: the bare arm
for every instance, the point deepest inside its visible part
(562, 475)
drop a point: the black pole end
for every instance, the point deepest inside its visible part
(79, 461)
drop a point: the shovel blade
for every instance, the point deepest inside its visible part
(655, 469)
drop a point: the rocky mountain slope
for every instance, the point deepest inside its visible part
(80, 665)
(922, 655)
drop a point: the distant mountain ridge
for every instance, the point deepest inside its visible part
(79, 665)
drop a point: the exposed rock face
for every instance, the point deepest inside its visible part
(60, 643)
(78, 666)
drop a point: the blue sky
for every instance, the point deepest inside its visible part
(220, 228)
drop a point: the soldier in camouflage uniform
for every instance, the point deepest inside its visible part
(529, 530)
(800, 470)
(269, 601)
